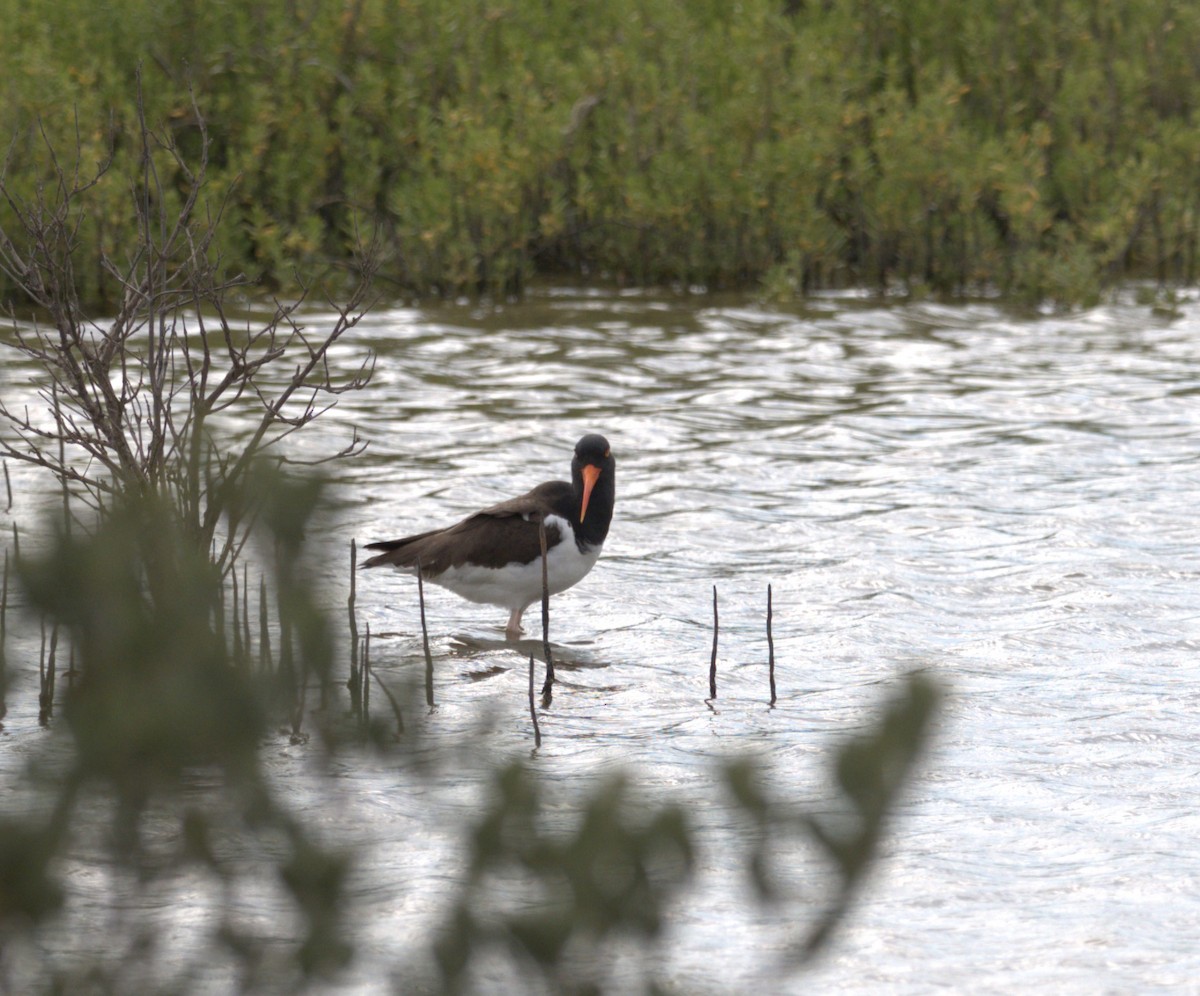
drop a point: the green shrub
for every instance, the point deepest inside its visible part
(489, 144)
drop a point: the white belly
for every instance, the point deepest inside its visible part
(519, 585)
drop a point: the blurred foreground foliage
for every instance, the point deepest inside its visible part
(155, 771)
(158, 703)
(1041, 149)
(152, 779)
(612, 879)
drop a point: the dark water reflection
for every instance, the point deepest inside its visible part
(1007, 501)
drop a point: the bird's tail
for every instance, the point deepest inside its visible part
(404, 552)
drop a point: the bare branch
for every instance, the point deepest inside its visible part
(127, 402)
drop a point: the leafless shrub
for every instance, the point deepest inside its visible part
(137, 401)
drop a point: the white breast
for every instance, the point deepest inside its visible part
(516, 586)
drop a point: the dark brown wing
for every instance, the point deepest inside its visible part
(503, 534)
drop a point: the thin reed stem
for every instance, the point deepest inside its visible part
(366, 678)
(46, 672)
(264, 627)
(537, 733)
(770, 647)
(547, 688)
(712, 667)
(246, 612)
(239, 651)
(350, 606)
(425, 640)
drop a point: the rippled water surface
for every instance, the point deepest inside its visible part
(1005, 501)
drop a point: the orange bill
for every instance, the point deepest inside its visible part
(591, 475)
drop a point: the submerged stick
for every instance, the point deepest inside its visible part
(300, 701)
(770, 647)
(353, 679)
(395, 705)
(425, 639)
(238, 650)
(293, 670)
(712, 667)
(366, 677)
(46, 668)
(246, 613)
(358, 676)
(264, 626)
(7, 487)
(537, 733)
(218, 610)
(548, 686)
(62, 457)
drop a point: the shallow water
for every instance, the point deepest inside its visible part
(1006, 501)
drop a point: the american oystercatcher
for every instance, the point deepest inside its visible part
(495, 556)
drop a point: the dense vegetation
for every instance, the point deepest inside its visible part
(1044, 149)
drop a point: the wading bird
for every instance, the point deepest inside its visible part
(495, 556)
